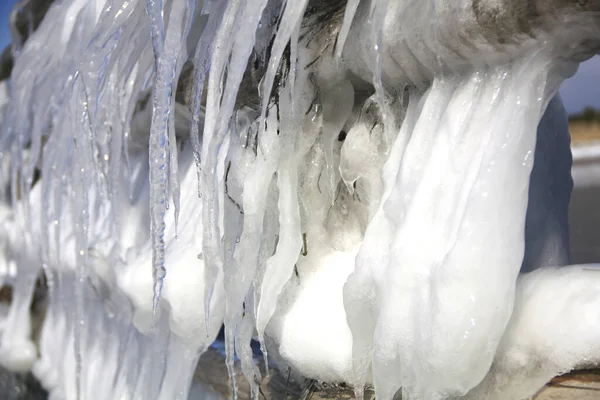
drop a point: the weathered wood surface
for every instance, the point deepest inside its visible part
(212, 373)
(578, 385)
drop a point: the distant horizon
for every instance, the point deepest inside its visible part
(578, 92)
(583, 110)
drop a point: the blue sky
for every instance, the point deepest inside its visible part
(578, 92)
(5, 7)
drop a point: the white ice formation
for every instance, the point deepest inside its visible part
(353, 193)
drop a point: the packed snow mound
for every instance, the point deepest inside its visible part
(353, 192)
(553, 329)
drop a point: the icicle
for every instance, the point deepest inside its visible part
(243, 336)
(349, 13)
(337, 101)
(155, 12)
(222, 45)
(202, 58)
(378, 13)
(174, 167)
(158, 150)
(167, 52)
(217, 124)
(82, 171)
(294, 61)
(280, 267)
(212, 237)
(290, 21)
(240, 274)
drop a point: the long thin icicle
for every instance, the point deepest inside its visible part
(202, 58)
(167, 50)
(349, 13)
(378, 12)
(280, 266)
(211, 243)
(174, 164)
(158, 152)
(289, 21)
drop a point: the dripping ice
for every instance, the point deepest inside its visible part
(350, 186)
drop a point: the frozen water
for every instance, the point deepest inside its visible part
(532, 349)
(422, 275)
(362, 185)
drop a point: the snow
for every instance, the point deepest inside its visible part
(553, 330)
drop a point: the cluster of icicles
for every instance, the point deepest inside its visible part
(364, 221)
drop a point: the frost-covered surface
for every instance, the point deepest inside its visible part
(554, 328)
(357, 205)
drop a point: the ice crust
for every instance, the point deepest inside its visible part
(367, 219)
(537, 344)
